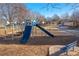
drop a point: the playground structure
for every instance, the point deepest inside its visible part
(28, 29)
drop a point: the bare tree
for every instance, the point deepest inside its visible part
(12, 13)
(75, 17)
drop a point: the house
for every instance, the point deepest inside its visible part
(71, 23)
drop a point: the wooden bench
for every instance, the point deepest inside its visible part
(69, 47)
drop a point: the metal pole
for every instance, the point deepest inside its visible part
(67, 52)
(12, 31)
(5, 31)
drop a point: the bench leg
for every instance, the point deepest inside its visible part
(73, 48)
(66, 52)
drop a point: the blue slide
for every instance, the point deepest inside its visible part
(26, 34)
(44, 30)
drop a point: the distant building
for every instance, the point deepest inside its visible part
(71, 23)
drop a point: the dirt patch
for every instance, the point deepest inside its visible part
(23, 50)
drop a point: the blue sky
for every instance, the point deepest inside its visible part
(42, 8)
